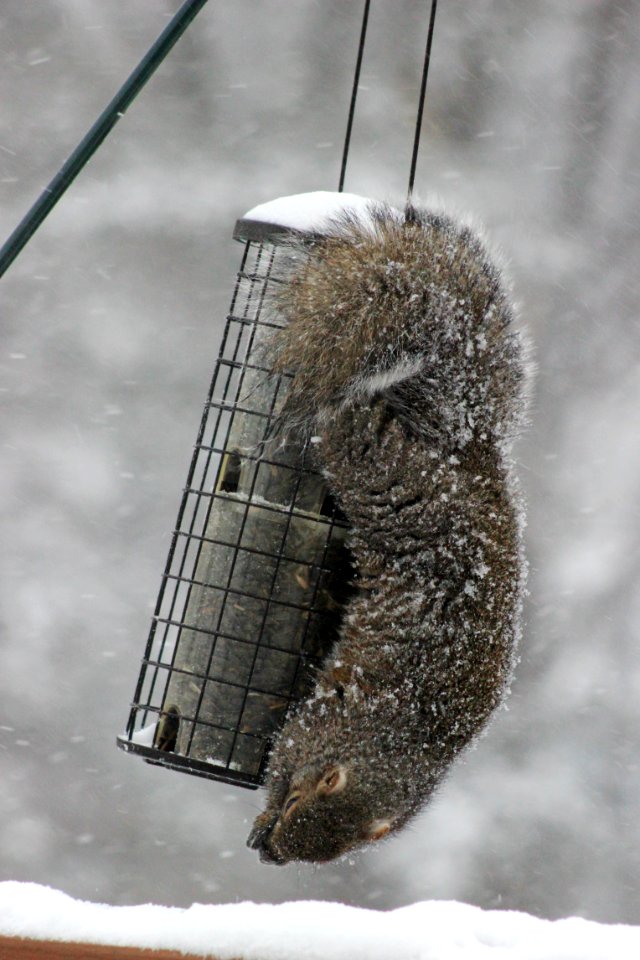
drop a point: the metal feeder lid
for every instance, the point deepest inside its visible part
(309, 214)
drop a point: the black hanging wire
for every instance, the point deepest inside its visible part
(354, 94)
(101, 128)
(421, 99)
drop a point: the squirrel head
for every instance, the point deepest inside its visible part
(325, 812)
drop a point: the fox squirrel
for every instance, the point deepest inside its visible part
(409, 377)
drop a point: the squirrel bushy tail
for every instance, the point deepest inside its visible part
(410, 306)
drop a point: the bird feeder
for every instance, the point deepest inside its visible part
(257, 569)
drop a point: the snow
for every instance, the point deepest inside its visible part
(313, 930)
(146, 735)
(308, 212)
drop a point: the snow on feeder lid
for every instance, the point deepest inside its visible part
(301, 213)
(257, 569)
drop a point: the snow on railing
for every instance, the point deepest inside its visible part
(39, 922)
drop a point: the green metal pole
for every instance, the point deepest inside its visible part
(101, 128)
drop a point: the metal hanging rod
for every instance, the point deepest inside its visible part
(100, 129)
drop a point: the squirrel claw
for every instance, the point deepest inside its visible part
(259, 837)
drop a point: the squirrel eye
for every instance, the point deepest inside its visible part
(333, 782)
(291, 802)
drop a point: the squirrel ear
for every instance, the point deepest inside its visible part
(333, 781)
(377, 829)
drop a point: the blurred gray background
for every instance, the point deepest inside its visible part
(111, 320)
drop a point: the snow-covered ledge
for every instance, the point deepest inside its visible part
(308, 930)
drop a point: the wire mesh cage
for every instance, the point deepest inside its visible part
(257, 568)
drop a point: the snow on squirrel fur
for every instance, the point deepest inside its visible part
(408, 375)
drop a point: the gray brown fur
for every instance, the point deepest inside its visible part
(408, 375)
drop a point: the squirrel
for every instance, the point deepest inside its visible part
(409, 378)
